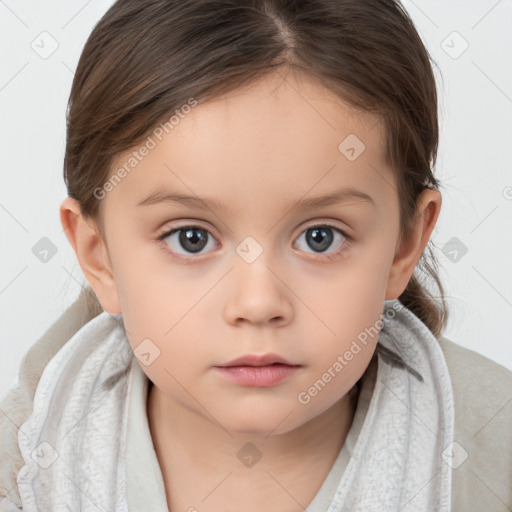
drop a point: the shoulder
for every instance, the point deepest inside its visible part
(16, 405)
(463, 362)
(482, 452)
(482, 389)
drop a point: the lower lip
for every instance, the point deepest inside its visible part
(258, 376)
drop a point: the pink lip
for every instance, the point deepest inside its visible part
(258, 376)
(258, 370)
(257, 360)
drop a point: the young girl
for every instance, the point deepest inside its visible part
(294, 360)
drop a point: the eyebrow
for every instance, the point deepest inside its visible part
(340, 196)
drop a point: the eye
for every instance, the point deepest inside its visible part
(321, 237)
(189, 240)
(193, 239)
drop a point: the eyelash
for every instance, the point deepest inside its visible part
(189, 259)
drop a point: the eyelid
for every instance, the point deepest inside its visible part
(328, 224)
(200, 225)
(182, 224)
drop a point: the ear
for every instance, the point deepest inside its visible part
(412, 245)
(92, 254)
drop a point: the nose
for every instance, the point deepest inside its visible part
(257, 295)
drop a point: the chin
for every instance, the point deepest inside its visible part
(261, 423)
(257, 431)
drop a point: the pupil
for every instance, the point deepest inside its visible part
(321, 236)
(190, 237)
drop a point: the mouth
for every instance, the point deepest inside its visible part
(258, 371)
(258, 360)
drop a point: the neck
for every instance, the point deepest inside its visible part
(192, 449)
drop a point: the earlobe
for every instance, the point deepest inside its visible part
(411, 247)
(92, 254)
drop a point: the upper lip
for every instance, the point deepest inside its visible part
(258, 360)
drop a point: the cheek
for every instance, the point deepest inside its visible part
(351, 312)
(351, 297)
(167, 315)
(349, 351)
(170, 360)
(170, 320)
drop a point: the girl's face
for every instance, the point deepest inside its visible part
(239, 180)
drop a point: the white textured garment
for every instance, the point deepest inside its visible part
(74, 442)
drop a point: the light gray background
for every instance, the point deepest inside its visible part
(475, 167)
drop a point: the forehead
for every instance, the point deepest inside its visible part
(280, 138)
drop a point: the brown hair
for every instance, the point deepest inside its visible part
(146, 58)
